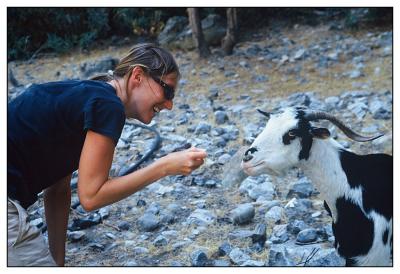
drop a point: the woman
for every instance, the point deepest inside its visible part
(59, 127)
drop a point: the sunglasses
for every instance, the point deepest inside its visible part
(169, 92)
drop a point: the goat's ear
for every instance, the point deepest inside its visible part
(320, 132)
(264, 113)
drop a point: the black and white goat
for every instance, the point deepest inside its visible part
(357, 189)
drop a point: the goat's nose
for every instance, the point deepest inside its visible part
(247, 158)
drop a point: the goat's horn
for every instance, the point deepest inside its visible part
(311, 116)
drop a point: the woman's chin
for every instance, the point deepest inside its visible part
(143, 120)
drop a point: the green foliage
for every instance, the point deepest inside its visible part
(60, 29)
(20, 46)
(86, 39)
(33, 30)
(357, 17)
(57, 43)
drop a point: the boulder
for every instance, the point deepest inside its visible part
(214, 29)
(172, 28)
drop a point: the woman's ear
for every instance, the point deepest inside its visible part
(137, 76)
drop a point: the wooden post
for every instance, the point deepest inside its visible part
(229, 41)
(198, 37)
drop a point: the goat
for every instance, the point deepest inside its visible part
(357, 189)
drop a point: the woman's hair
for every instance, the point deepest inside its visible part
(154, 60)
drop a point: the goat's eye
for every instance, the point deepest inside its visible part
(289, 136)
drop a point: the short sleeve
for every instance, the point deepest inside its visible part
(105, 117)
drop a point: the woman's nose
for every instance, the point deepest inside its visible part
(168, 104)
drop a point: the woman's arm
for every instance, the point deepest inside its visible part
(95, 189)
(57, 202)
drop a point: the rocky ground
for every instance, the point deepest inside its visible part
(217, 216)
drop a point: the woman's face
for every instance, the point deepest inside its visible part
(146, 97)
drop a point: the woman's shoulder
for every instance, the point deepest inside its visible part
(74, 83)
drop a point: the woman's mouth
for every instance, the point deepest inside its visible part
(156, 109)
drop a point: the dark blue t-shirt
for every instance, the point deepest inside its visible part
(46, 129)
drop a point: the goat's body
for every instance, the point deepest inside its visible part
(358, 191)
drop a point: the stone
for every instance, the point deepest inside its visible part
(224, 249)
(201, 217)
(221, 263)
(124, 225)
(303, 188)
(267, 205)
(240, 234)
(110, 236)
(331, 102)
(167, 218)
(76, 236)
(160, 241)
(181, 244)
(174, 208)
(307, 235)
(210, 183)
(275, 215)
(223, 159)
(244, 64)
(141, 203)
(279, 234)
(148, 222)
(300, 208)
(379, 110)
(199, 258)
(100, 66)
(96, 246)
(104, 212)
(140, 250)
(299, 54)
(229, 73)
(172, 28)
(238, 257)
(154, 208)
(296, 226)
(78, 224)
(202, 128)
(243, 214)
(278, 256)
(266, 189)
(131, 263)
(359, 109)
(221, 117)
(219, 142)
(355, 74)
(176, 263)
(165, 190)
(260, 234)
(327, 257)
(253, 263)
(259, 79)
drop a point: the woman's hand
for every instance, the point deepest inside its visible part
(183, 162)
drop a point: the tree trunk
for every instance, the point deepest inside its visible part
(229, 41)
(197, 31)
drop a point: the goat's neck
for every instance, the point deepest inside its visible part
(324, 169)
